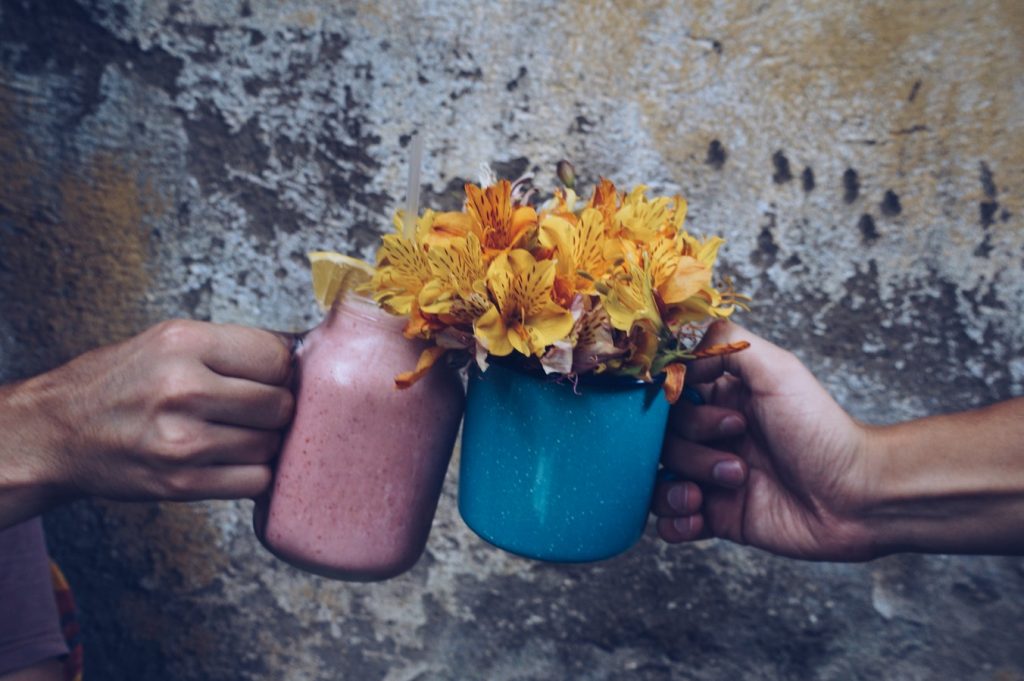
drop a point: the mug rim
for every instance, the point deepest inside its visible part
(602, 380)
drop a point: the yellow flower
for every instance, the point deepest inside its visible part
(706, 251)
(402, 270)
(641, 220)
(458, 289)
(491, 215)
(706, 302)
(633, 307)
(524, 318)
(501, 226)
(644, 342)
(630, 298)
(605, 200)
(677, 277)
(431, 230)
(450, 225)
(579, 249)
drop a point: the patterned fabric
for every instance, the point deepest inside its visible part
(68, 624)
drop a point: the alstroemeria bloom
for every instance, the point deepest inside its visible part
(458, 290)
(633, 308)
(706, 302)
(676, 276)
(402, 270)
(491, 215)
(641, 220)
(579, 249)
(630, 298)
(524, 318)
(605, 200)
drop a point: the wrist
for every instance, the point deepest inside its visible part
(881, 510)
(857, 496)
(34, 455)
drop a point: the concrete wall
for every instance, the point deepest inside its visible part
(865, 161)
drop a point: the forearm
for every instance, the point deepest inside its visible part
(950, 484)
(30, 437)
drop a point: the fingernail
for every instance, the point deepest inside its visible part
(684, 526)
(728, 473)
(677, 498)
(731, 425)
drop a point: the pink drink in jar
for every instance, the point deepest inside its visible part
(361, 468)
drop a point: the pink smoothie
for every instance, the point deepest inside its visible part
(361, 468)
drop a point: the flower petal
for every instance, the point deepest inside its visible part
(492, 333)
(687, 279)
(547, 326)
(675, 374)
(721, 349)
(558, 358)
(427, 359)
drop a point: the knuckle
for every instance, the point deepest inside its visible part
(178, 438)
(177, 485)
(280, 362)
(178, 388)
(177, 336)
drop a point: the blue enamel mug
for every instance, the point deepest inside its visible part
(559, 472)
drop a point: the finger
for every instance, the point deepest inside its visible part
(289, 338)
(223, 482)
(686, 528)
(705, 423)
(674, 499)
(244, 352)
(239, 402)
(727, 391)
(749, 363)
(233, 446)
(703, 465)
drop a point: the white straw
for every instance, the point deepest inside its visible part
(412, 196)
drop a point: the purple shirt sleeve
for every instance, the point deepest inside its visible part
(29, 621)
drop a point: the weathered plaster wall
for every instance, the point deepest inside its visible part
(865, 161)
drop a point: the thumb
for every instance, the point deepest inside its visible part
(753, 365)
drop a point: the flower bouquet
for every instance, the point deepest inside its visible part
(573, 318)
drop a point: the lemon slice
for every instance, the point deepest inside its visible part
(335, 274)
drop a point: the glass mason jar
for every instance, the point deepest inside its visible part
(556, 471)
(360, 471)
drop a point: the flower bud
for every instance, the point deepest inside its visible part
(566, 173)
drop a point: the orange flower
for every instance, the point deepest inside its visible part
(491, 215)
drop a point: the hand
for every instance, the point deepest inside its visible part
(770, 460)
(184, 411)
